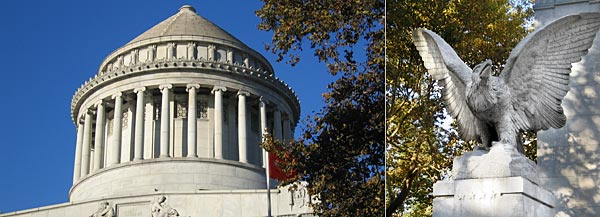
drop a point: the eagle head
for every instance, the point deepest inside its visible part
(482, 71)
(481, 97)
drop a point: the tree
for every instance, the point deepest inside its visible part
(341, 153)
(420, 141)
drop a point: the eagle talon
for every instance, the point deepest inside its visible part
(481, 148)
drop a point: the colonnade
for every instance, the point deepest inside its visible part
(86, 163)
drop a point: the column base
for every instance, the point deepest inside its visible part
(507, 196)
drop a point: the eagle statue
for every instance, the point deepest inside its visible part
(527, 94)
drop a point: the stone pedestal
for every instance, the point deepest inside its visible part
(498, 182)
(508, 196)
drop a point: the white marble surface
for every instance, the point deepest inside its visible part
(569, 158)
(493, 197)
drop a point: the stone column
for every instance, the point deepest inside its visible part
(115, 155)
(139, 124)
(218, 91)
(287, 129)
(242, 131)
(277, 124)
(99, 139)
(263, 127)
(192, 128)
(77, 167)
(164, 121)
(85, 147)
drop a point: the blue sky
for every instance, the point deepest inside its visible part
(49, 48)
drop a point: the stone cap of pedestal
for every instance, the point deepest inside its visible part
(494, 186)
(502, 160)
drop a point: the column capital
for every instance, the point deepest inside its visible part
(91, 110)
(275, 107)
(119, 94)
(242, 93)
(190, 86)
(218, 88)
(139, 89)
(101, 102)
(165, 86)
(264, 100)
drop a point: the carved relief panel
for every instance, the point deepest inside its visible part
(202, 109)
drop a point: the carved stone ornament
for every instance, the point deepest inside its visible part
(104, 210)
(202, 109)
(151, 53)
(181, 107)
(160, 208)
(191, 47)
(156, 111)
(125, 120)
(299, 195)
(527, 94)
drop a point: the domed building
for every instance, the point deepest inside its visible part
(171, 125)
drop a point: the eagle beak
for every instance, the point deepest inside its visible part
(487, 69)
(487, 72)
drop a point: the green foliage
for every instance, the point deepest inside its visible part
(341, 154)
(420, 147)
(332, 28)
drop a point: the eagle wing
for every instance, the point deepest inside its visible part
(537, 70)
(453, 75)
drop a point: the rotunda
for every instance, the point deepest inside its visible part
(170, 125)
(180, 107)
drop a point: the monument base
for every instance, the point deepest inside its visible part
(502, 160)
(508, 196)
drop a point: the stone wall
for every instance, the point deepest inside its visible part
(569, 158)
(204, 203)
(171, 174)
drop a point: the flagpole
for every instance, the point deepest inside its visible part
(268, 186)
(263, 126)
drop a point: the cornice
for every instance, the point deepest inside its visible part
(138, 69)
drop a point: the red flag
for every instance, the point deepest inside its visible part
(274, 169)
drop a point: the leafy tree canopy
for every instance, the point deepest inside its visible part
(341, 153)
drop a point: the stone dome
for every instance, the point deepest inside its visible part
(187, 22)
(180, 108)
